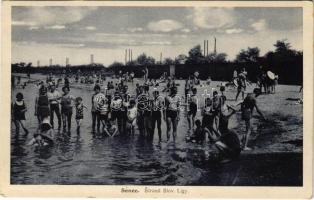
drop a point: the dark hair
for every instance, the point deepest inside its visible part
(97, 87)
(65, 87)
(215, 92)
(19, 95)
(78, 99)
(194, 90)
(45, 127)
(197, 122)
(132, 101)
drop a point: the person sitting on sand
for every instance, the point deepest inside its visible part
(208, 120)
(199, 133)
(19, 109)
(110, 129)
(228, 147)
(247, 108)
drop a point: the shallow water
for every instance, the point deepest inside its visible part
(90, 158)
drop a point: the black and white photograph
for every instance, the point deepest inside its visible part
(157, 96)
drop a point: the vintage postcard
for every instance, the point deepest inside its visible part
(157, 99)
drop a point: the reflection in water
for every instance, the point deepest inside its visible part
(93, 158)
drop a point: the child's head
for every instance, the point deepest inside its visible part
(198, 123)
(194, 90)
(97, 88)
(66, 89)
(215, 93)
(208, 101)
(78, 100)
(156, 93)
(19, 96)
(132, 102)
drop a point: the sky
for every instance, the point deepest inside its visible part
(41, 33)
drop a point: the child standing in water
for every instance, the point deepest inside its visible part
(66, 108)
(79, 106)
(19, 109)
(131, 115)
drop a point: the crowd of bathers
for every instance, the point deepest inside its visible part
(116, 111)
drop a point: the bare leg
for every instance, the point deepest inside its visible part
(168, 128)
(23, 126)
(247, 135)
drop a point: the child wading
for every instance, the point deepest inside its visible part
(79, 107)
(66, 108)
(192, 109)
(18, 115)
(157, 107)
(172, 112)
(131, 117)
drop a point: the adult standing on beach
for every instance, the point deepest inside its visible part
(96, 100)
(54, 99)
(241, 84)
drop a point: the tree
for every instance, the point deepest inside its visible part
(143, 59)
(214, 57)
(168, 61)
(181, 59)
(249, 55)
(115, 65)
(282, 46)
(195, 55)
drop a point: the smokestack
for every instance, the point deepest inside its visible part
(204, 48)
(131, 55)
(50, 62)
(126, 56)
(38, 63)
(92, 59)
(160, 57)
(215, 46)
(67, 61)
(207, 48)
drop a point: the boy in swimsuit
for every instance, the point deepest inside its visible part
(79, 107)
(172, 112)
(157, 108)
(131, 117)
(192, 110)
(247, 108)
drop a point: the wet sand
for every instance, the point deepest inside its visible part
(89, 158)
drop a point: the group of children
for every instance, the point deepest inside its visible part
(119, 112)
